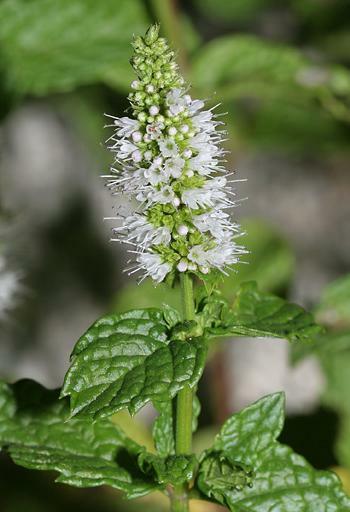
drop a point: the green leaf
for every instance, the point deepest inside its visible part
(49, 46)
(124, 361)
(218, 475)
(163, 429)
(334, 306)
(171, 316)
(172, 469)
(247, 435)
(246, 66)
(254, 313)
(36, 431)
(240, 59)
(163, 426)
(287, 90)
(269, 475)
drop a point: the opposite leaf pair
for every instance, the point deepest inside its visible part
(245, 470)
(126, 360)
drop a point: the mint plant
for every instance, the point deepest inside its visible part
(169, 161)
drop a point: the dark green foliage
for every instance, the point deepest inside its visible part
(124, 361)
(258, 314)
(49, 46)
(36, 431)
(265, 474)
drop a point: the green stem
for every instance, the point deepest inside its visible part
(183, 427)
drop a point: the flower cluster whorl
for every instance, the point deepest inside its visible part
(165, 157)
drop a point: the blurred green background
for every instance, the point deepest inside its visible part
(280, 71)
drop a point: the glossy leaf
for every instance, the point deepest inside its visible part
(49, 46)
(124, 361)
(219, 475)
(258, 314)
(276, 478)
(247, 435)
(36, 431)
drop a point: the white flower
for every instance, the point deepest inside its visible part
(219, 256)
(208, 195)
(163, 196)
(203, 163)
(174, 166)
(154, 266)
(154, 130)
(126, 126)
(195, 105)
(168, 147)
(216, 222)
(198, 255)
(156, 175)
(197, 198)
(126, 149)
(139, 230)
(176, 101)
(161, 235)
(204, 121)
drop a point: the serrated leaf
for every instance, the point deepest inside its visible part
(163, 429)
(124, 361)
(259, 314)
(35, 431)
(49, 46)
(171, 316)
(172, 469)
(247, 435)
(163, 426)
(218, 475)
(281, 480)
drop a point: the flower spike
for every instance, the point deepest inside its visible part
(168, 159)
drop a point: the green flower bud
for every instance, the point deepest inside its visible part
(152, 34)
